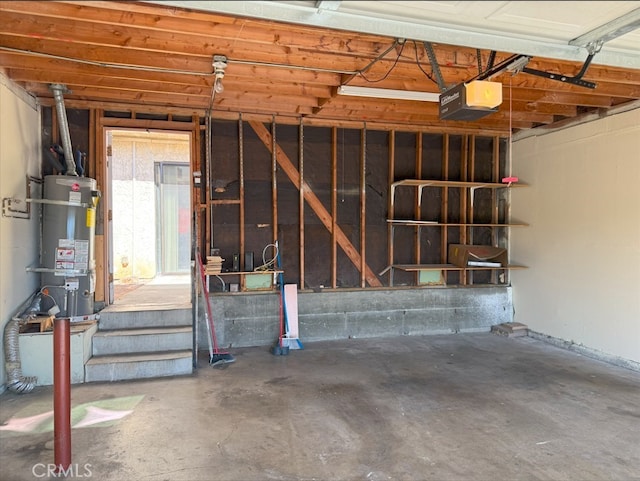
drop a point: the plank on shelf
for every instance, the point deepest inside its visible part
(449, 267)
(453, 183)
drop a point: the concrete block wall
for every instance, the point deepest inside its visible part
(252, 319)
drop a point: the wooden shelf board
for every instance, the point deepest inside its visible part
(454, 183)
(224, 201)
(449, 224)
(244, 273)
(449, 267)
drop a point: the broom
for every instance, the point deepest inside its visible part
(280, 349)
(217, 357)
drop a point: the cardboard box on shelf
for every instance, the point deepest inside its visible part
(463, 255)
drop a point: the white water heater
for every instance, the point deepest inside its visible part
(68, 270)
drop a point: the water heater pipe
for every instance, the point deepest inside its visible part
(58, 90)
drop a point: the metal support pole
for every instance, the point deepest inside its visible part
(62, 393)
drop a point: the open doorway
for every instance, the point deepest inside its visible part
(151, 206)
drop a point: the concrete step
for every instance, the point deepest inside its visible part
(138, 366)
(111, 319)
(123, 341)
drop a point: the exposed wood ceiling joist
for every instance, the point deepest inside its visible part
(158, 57)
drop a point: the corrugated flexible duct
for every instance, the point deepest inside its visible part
(16, 382)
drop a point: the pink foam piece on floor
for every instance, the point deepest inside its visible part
(291, 303)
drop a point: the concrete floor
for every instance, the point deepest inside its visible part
(454, 407)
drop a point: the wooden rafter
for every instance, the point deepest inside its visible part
(133, 55)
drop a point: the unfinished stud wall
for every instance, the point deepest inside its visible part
(334, 232)
(341, 238)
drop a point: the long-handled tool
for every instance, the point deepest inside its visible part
(217, 357)
(280, 349)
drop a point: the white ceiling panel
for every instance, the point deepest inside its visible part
(544, 20)
(536, 28)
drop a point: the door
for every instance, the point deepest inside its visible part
(150, 194)
(173, 205)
